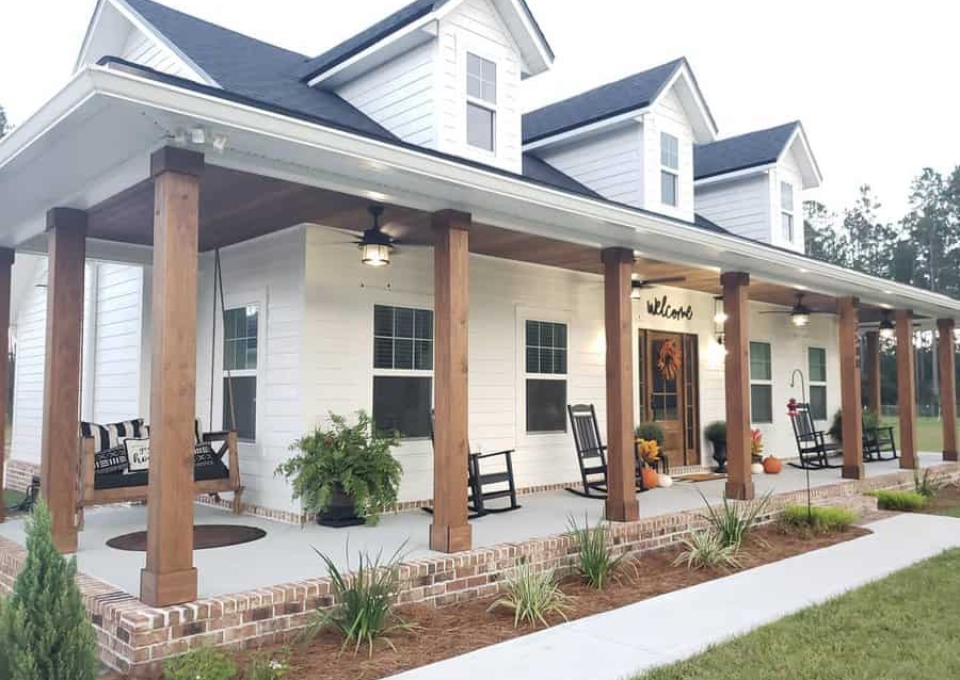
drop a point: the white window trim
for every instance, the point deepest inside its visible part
(757, 381)
(483, 51)
(234, 301)
(819, 383)
(791, 212)
(552, 316)
(425, 304)
(670, 171)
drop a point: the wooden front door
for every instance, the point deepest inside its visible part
(668, 392)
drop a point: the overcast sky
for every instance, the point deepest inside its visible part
(875, 83)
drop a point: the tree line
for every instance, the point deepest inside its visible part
(921, 249)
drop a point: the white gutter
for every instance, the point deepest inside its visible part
(592, 220)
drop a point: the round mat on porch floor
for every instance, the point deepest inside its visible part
(205, 536)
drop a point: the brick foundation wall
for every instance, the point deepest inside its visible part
(19, 474)
(136, 639)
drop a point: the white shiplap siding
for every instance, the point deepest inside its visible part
(116, 370)
(31, 334)
(742, 206)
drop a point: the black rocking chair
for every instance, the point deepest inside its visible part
(484, 485)
(812, 445)
(876, 441)
(592, 453)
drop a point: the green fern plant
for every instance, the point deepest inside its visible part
(533, 596)
(705, 550)
(733, 521)
(598, 563)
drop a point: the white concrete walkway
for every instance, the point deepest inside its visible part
(623, 642)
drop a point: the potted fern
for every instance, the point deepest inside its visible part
(345, 473)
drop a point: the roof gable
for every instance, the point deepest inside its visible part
(419, 14)
(757, 149)
(629, 95)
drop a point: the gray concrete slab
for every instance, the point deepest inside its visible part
(678, 625)
(287, 553)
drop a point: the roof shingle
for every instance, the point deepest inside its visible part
(749, 150)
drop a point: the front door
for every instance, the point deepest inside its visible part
(668, 392)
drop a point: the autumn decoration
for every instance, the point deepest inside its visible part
(669, 360)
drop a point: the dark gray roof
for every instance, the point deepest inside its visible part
(383, 29)
(629, 94)
(252, 68)
(538, 169)
(710, 225)
(750, 150)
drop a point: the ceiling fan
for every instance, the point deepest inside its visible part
(799, 314)
(639, 284)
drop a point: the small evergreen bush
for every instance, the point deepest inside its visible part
(44, 629)
(905, 501)
(598, 564)
(817, 520)
(533, 595)
(203, 663)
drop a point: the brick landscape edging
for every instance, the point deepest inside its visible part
(135, 638)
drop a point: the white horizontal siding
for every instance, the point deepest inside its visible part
(668, 115)
(117, 344)
(610, 163)
(31, 336)
(788, 170)
(741, 206)
(142, 49)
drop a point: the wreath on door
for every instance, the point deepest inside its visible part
(669, 361)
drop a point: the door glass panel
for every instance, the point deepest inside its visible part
(664, 397)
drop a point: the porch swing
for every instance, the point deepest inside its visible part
(105, 474)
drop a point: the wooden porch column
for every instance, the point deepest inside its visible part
(850, 397)
(450, 531)
(622, 503)
(60, 448)
(906, 397)
(169, 577)
(737, 381)
(948, 386)
(6, 263)
(872, 362)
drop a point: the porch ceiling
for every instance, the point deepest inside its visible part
(237, 206)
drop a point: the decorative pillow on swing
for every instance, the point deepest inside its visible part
(138, 454)
(112, 436)
(111, 462)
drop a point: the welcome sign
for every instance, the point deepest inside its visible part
(661, 307)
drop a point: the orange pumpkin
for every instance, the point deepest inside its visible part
(651, 480)
(772, 465)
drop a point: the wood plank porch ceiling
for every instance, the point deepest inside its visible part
(236, 206)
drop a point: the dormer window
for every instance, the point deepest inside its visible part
(481, 102)
(669, 169)
(786, 211)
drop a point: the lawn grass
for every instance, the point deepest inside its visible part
(929, 432)
(904, 627)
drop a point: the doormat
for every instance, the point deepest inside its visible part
(205, 537)
(700, 477)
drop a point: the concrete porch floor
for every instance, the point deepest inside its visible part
(287, 554)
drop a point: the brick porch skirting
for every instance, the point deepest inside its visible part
(136, 639)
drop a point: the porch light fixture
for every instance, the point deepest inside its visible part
(887, 329)
(635, 293)
(800, 314)
(375, 246)
(719, 316)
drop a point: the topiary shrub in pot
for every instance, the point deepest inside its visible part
(651, 431)
(345, 473)
(716, 434)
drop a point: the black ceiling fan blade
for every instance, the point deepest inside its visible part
(666, 279)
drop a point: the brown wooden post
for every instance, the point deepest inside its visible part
(6, 263)
(906, 400)
(169, 577)
(872, 363)
(737, 382)
(450, 531)
(946, 346)
(60, 439)
(850, 397)
(622, 503)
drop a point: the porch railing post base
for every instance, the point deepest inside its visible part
(448, 539)
(171, 586)
(740, 491)
(626, 511)
(853, 472)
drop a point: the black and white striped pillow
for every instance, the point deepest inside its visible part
(197, 431)
(106, 437)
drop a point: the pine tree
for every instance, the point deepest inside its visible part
(44, 629)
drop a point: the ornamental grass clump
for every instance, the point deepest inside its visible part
(364, 602)
(734, 520)
(904, 501)
(816, 520)
(44, 629)
(533, 596)
(925, 485)
(705, 550)
(598, 562)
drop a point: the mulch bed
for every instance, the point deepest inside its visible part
(451, 631)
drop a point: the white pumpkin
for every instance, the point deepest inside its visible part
(666, 480)
(757, 468)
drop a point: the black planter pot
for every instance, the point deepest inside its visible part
(720, 454)
(339, 512)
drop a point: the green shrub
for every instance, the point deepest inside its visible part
(532, 596)
(905, 501)
(716, 431)
(44, 629)
(595, 551)
(871, 421)
(925, 485)
(734, 520)
(203, 663)
(651, 431)
(353, 459)
(263, 666)
(817, 520)
(705, 550)
(364, 602)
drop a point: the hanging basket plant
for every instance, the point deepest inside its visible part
(669, 362)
